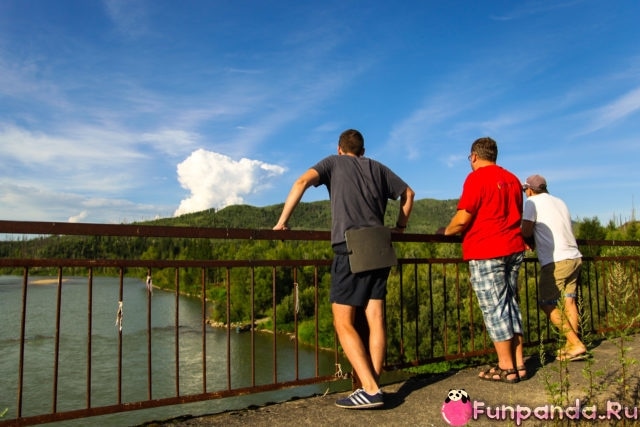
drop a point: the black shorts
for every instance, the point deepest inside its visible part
(355, 289)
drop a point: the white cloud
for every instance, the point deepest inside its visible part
(216, 180)
(78, 218)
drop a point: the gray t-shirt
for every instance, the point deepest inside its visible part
(359, 189)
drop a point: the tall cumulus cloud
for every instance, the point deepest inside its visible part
(215, 180)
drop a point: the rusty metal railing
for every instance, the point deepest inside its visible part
(431, 311)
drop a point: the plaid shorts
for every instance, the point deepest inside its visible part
(495, 282)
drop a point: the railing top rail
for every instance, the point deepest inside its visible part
(137, 230)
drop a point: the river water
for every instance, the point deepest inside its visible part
(72, 382)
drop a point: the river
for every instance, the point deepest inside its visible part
(72, 383)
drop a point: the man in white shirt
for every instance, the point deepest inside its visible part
(547, 219)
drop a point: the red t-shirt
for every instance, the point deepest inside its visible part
(493, 197)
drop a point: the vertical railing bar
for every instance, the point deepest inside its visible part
(605, 292)
(177, 332)
(316, 301)
(89, 334)
(445, 329)
(631, 273)
(121, 300)
(458, 312)
(637, 277)
(204, 328)
(431, 320)
(539, 315)
(253, 322)
(634, 268)
(385, 326)
(603, 312)
(56, 351)
(585, 278)
(580, 303)
(597, 280)
(228, 328)
(586, 272)
(530, 275)
(23, 324)
(274, 321)
(296, 354)
(609, 270)
(472, 325)
(416, 323)
(149, 355)
(524, 278)
(401, 308)
(526, 294)
(336, 354)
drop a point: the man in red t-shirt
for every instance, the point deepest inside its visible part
(489, 216)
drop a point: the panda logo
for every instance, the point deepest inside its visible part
(457, 409)
(455, 395)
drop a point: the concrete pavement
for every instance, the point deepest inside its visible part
(594, 384)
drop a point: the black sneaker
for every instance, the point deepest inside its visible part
(359, 399)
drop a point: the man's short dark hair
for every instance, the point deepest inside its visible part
(351, 141)
(486, 149)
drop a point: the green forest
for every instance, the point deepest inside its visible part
(428, 305)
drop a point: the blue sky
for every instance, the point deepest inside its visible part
(118, 111)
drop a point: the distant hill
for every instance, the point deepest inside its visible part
(428, 215)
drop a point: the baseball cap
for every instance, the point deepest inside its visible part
(536, 183)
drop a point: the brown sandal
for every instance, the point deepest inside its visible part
(520, 369)
(502, 374)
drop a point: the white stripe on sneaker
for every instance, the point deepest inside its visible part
(360, 399)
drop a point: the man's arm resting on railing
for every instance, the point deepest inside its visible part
(306, 180)
(527, 233)
(406, 205)
(458, 224)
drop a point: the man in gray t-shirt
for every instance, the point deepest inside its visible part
(359, 189)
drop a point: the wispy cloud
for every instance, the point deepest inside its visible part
(619, 109)
(81, 144)
(172, 142)
(529, 8)
(129, 17)
(27, 202)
